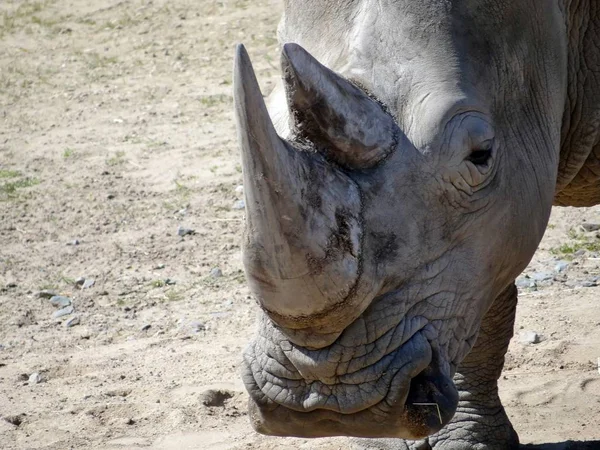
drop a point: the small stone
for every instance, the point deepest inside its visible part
(170, 282)
(160, 267)
(60, 301)
(63, 312)
(35, 378)
(525, 282)
(79, 281)
(15, 420)
(88, 283)
(72, 322)
(580, 252)
(529, 337)
(110, 196)
(74, 242)
(181, 231)
(46, 293)
(239, 204)
(129, 421)
(541, 276)
(588, 283)
(239, 190)
(146, 327)
(197, 326)
(227, 304)
(216, 273)
(11, 285)
(103, 293)
(119, 393)
(561, 266)
(588, 226)
(215, 397)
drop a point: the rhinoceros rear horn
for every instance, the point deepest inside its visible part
(347, 125)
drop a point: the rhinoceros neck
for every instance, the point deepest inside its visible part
(578, 182)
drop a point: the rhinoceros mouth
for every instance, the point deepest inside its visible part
(406, 396)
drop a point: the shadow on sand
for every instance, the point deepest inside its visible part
(567, 445)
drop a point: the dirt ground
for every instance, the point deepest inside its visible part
(116, 131)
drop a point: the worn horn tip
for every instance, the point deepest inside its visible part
(295, 59)
(241, 53)
(242, 65)
(246, 89)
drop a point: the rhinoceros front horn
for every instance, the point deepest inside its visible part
(301, 247)
(346, 124)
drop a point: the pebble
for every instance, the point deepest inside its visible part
(197, 326)
(63, 312)
(529, 337)
(541, 276)
(74, 242)
(88, 283)
(239, 204)
(239, 190)
(525, 282)
(170, 282)
(72, 322)
(159, 267)
(215, 397)
(146, 327)
(79, 281)
(181, 231)
(14, 420)
(561, 266)
(588, 226)
(11, 285)
(35, 378)
(216, 273)
(46, 293)
(60, 301)
(227, 304)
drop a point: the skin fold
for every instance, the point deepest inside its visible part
(400, 181)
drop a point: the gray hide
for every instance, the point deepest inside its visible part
(401, 182)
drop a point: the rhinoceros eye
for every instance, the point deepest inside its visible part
(481, 155)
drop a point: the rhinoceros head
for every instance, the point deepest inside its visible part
(383, 224)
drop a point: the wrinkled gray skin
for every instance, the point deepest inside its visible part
(404, 185)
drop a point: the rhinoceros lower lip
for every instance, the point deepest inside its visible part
(409, 399)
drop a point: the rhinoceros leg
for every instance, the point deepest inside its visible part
(480, 421)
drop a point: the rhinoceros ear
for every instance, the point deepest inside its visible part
(347, 125)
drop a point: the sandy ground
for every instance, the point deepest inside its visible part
(116, 129)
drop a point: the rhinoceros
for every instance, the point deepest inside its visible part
(398, 183)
